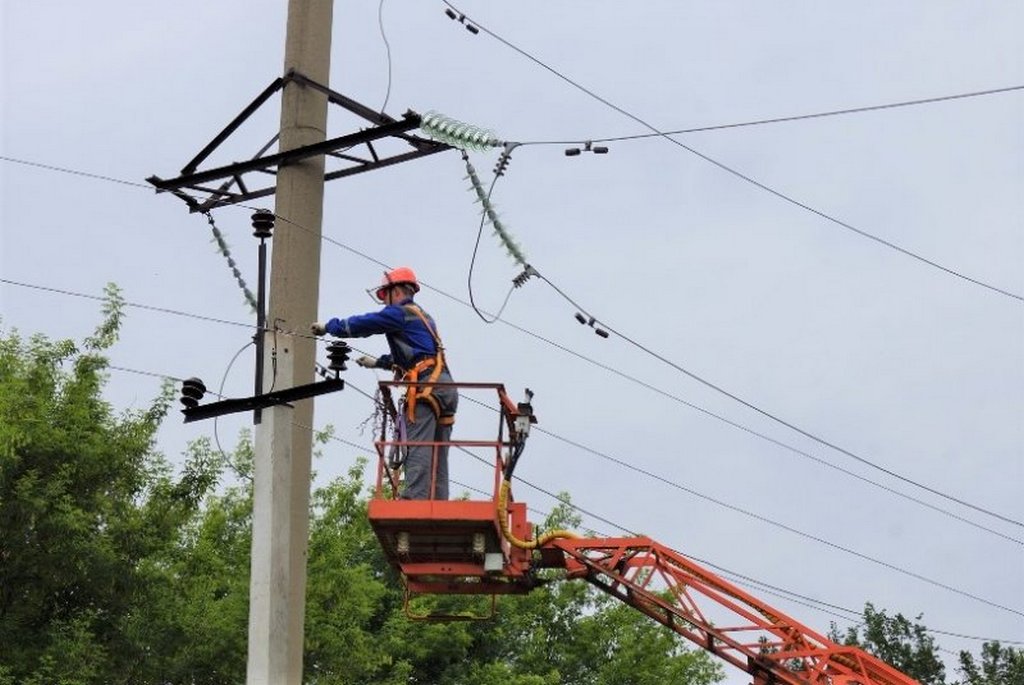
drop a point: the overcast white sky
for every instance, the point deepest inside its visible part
(896, 361)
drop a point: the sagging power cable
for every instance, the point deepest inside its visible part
(363, 255)
(736, 173)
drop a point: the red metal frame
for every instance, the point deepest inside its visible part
(439, 546)
(431, 543)
(716, 615)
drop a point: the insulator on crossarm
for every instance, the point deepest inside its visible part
(192, 392)
(337, 354)
(262, 223)
(457, 133)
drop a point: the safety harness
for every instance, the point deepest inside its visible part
(437, 363)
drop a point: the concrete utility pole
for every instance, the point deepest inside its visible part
(277, 592)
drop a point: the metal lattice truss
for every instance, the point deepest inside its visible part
(234, 188)
(718, 616)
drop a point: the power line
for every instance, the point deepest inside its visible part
(74, 172)
(735, 172)
(779, 420)
(583, 357)
(777, 120)
(618, 526)
(788, 594)
(235, 323)
(387, 47)
(592, 361)
(136, 305)
(736, 398)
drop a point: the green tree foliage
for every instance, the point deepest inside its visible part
(998, 665)
(899, 642)
(908, 646)
(84, 503)
(116, 569)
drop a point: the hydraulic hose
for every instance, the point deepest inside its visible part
(503, 493)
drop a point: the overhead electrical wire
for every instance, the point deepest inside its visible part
(528, 332)
(387, 47)
(766, 588)
(738, 174)
(571, 301)
(778, 120)
(578, 355)
(781, 421)
(815, 538)
(847, 550)
(738, 399)
(235, 323)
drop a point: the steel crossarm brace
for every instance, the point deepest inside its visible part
(717, 615)
(270, 399)
(411, 121)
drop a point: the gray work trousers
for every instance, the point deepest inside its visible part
(420, 458)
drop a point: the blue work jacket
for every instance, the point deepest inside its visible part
(408, 339)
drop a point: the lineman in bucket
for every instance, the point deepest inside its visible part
(416, 355)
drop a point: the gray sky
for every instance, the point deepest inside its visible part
(891, 359)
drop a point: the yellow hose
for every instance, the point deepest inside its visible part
(503, 493)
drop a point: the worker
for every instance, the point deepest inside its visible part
(416, 354)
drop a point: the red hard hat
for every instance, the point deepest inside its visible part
(403, 275)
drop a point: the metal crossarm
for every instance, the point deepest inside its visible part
(233, 187)
(270, 399)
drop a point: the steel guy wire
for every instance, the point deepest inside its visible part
(738, 174)
(777, 120)
(337, 243)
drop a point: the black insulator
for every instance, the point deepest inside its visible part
(601, 332)
(337, 354)
(262, 224)
(192, 391)
(451, 14)
(572, 151)
(582, 319)
(472, 29)
(600, 150)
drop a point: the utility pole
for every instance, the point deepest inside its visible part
(283, 443)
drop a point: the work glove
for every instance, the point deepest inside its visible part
(367, 362)
(318, 328)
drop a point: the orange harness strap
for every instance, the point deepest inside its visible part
(437, 362)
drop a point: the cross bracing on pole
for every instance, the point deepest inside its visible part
(356, 150)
